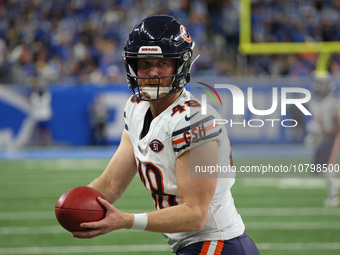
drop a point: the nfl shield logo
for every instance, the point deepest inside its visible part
(156, 145)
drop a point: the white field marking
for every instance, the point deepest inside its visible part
(87, 249)
(64, 165)
(318, 225)
(38, 230)
(40, 215)
(289, 211)
(154, 248)
(21, 193)
(302, 183)
(275, 211)
(19, 216)
(32, 230)
(287, 183)
(56, 229)
(298, 246)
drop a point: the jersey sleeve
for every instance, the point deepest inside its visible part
(199, 130)
(128, 111)
(126, 126)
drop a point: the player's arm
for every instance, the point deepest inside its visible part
(196, 195)
(336, 124)
(119, 172)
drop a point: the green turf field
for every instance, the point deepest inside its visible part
(284, 216)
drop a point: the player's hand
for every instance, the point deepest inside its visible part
(114, 220)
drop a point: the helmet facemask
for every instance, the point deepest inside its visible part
(180, 77)
(323, 88)
(158, 36)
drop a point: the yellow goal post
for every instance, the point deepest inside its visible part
(246, 46)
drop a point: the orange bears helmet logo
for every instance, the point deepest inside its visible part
(185, 34)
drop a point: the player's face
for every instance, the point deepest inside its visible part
(155, 68)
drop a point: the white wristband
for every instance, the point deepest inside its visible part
(140, 221)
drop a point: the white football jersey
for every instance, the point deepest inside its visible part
(176, 130)
(325, 110)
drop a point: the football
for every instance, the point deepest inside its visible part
(79, 205)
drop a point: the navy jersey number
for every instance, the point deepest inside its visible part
(156, 187)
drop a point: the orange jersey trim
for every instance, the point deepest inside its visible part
(205, 248)
(178, 141)
(219, 247)
(181, 140)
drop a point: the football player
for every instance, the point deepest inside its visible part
(326, 112)
(164, 138)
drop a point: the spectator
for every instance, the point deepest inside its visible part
(60, 39)
(326, 134)
(41, 110)
(99, 115)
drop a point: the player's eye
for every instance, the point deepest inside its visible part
(165, 64)
(143, 64)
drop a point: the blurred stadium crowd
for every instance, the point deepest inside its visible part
(80, 41)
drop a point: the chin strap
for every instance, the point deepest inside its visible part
(154, 92)
(192, 62)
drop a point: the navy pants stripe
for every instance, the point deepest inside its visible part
(241, 245)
